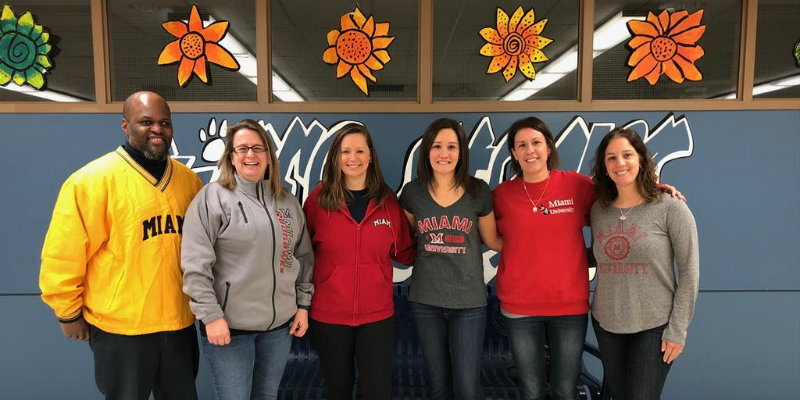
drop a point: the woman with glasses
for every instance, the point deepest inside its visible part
(357, 228)
(247, 266)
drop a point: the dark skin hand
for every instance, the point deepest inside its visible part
(75, 330)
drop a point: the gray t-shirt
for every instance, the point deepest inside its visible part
(449, 268)
(637, 288)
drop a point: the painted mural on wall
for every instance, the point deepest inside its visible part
(515, 44)
(302, 145)
(23, 50)
(359, 48)
(666, 45)
(196, 46)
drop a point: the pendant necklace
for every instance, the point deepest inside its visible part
(535, 208)
(624, 215)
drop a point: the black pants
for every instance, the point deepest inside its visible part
(370, 345)
(131, 367)
(633, 363)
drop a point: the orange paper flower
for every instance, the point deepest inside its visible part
(195, 47)
(515, 43)
(666, 45)
(359, 48)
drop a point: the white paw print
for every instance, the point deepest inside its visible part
(213, 147)
(213, 142)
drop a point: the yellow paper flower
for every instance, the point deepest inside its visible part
(516, 43)
(359, 48)
(195, 47)
(666, 44)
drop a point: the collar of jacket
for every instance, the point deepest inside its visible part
(253, 188)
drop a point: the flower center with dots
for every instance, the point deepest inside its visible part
(192, 45)
(663, 48)
(354, 46)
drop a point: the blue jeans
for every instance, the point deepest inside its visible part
(250, 367)
(633, 363)
(452, 345)
(564, 335)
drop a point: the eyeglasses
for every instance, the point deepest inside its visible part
(245, 149)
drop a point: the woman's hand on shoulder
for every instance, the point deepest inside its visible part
(218, 333)
(300, 323)
(672, 191)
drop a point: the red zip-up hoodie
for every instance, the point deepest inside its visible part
(352, 266)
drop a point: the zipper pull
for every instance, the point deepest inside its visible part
(241, 207)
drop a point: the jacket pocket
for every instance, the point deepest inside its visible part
(225, 298)
(335, 293)
(374, 288)
(244, 214)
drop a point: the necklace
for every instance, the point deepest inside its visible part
(535, 208)
(623, 215)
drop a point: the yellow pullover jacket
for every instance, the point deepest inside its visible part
(112, 251)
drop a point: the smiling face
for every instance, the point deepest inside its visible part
(147, 123)
(444, 152)
(252, 163)
(354, 158)
(622, 162)
(531, 152)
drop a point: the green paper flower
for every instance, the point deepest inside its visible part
(23, 50)
(797, 53)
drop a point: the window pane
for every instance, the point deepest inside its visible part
(71, 77)
(460, 72)
(778, 32)
(136, 39)
(300, 29)
(717, 67)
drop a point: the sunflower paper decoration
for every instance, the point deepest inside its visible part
(195, 47)
(516, 43)
(359, 48)
(666, 45)
(23, 50)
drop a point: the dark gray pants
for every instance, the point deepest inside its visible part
(131, 367)
(633, 363)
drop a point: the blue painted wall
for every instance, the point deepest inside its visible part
(740, 171)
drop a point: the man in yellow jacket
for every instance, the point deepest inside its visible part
(111, 260)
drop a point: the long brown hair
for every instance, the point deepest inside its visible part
(425, 171)
(553, 160)
(227, 171)
(646, 180)
(334, 194)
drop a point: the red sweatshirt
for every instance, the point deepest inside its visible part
(543, 267)
(353, 268)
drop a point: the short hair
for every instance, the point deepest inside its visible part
(425, 170)
(226, 168)
(553, 160)
(334, 193)
(646, 180)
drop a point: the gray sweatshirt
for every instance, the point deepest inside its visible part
(637, 288)
(246, 256)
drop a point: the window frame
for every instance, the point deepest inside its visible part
(424, 103)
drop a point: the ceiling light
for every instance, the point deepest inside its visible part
(608, 35)
(248, 67)
(44, 94)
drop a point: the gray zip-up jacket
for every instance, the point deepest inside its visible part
(246, 256)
